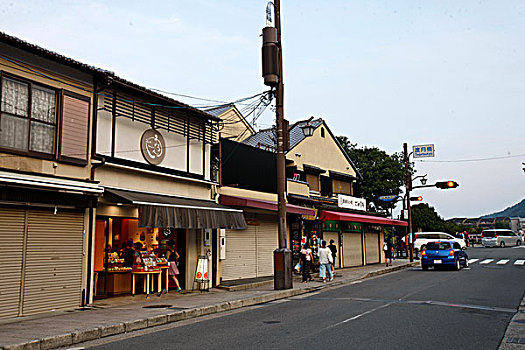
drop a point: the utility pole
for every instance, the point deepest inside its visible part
(273, 76)
(408, 188)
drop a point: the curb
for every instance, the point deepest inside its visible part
(245, 286)
(81, 336)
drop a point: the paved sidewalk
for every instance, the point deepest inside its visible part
(514, 338)
(127, 314)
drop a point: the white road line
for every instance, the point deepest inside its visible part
(519, 262)
(358, 316)
(502, 262)
(471, 261)
(487, 261)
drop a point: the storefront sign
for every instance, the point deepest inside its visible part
(310, 217)
(152, 146)
(331, 226)
(349, 202)
(201, 274)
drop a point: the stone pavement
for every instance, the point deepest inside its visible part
(514, 338)
(127, 314)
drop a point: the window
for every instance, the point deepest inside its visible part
(322, 132)
(28, 117)
(456, 245)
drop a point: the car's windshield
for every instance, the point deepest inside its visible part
(438, 246)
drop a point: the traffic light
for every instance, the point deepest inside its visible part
(416, 199)
(446, 184)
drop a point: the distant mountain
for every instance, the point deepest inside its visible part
(515, 210)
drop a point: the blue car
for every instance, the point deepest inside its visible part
(444, 253)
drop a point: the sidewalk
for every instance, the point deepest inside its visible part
(127, 314)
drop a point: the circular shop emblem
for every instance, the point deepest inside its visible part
(153, 146)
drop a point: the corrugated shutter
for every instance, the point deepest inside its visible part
(267, 242)
(11, 250)
(327, 236)
(53, 272)
(241, 254)
(352, 249)
(372, 248)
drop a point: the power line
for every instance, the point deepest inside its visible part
(471, 160)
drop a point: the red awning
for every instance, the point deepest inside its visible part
(262, 204)
(340, 216)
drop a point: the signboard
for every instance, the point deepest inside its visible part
(153, 147)
(201, 274)
(423, 151)
(387, 198)
(310, 217)
(350, 202)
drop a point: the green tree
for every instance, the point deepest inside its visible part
(383, 174)
(425, 218)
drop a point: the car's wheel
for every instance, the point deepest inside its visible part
(518, 242)
(502, 244)
(458, 266)
(423, 247)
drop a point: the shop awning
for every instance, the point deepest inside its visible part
(341, 216)
(262, 204)
(50, 183)
(167, 211)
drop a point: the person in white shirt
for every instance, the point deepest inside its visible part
(325, 262)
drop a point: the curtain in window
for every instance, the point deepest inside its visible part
(15, 97)
(43, 104)
(13, 129)
(42, 108)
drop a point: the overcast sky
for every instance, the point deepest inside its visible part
(380, 72)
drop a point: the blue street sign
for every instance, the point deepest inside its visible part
(387, 198)
(423, 151)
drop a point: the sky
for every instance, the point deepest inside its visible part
(382, 73)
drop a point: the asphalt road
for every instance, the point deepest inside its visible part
(411, 309)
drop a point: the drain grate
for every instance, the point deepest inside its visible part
(271, 322)
(516, 340)
(157, 306)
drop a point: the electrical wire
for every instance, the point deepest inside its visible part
(470, 160)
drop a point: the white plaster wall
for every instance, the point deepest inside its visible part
(127, 137)
(104, 132)
(196, 157)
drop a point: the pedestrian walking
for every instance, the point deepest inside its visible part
(173, 261)
(325, 262)
(333, 249)
(387, 249)
(306, 260)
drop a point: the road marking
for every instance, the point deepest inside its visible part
(487, 261)
(471, 261)
(359, 316)
(502, 262)
(519, 262)
(356, 282)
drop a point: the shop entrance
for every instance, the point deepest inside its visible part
(116, 242)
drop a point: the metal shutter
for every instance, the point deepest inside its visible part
(372, 248)
(335, 236)
(241, 254)
(11, 252)
(267, 242)
(352, 249)
(53, 273)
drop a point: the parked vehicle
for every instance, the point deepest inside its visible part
(444, 253)
(422, 239)
(500, 238)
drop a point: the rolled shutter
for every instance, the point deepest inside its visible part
(11, 254)
(53, 273)
(241, 254)
(267, 242)
(352, 249)
(327, 236)
(372, 248)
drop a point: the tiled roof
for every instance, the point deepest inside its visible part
(217, 111)
(296, 133)
(40, 51)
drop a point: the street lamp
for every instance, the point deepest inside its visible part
(308, 130)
